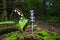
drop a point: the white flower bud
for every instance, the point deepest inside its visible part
(19, 13)
(21, 18)
(15, 10)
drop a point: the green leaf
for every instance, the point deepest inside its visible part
(48, 38)
(7, 22)
(12, 36)
(55, 35)
(42, 32)
(22, 23)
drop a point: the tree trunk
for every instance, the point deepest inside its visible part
(4, 11)
(44, 8)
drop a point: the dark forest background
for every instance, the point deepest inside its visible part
(47, 10)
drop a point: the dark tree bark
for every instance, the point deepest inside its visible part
(4, 10)
(44, 7)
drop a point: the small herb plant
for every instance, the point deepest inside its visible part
(22, 22)
(46, 36)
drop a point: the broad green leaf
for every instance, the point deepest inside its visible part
(22, 23)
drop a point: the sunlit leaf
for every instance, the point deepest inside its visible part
(22, 23)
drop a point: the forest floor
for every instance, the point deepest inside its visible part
(40, 26)
(49, 27)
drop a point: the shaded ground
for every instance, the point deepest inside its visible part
(49, 27)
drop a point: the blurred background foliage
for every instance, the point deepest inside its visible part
(44, 9)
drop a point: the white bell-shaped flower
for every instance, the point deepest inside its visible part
(19, 13)
(21, 18)
(15, 10)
